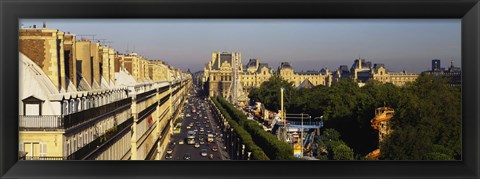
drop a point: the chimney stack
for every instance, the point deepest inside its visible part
(34, 26)
(44, 24)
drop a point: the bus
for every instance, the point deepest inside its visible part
(191, 137)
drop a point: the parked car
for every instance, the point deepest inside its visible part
(168, 156)
(214, 148)
(197, 145)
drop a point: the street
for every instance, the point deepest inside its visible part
(198, 120)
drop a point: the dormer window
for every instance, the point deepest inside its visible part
(32, 106)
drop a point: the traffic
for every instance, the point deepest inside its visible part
(199, 137)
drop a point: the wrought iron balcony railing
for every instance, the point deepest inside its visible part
(46, 122)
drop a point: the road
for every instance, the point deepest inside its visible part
(202, 118)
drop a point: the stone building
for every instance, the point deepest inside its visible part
(79, 100)
(218, 74)
(322, 77)
(454, 74)
(362, 71)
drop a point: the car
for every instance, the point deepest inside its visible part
(168, 156)
(181, 142)
(189, 127)
(170, 148)
(204, 122)
(206, 117)
(202, 130)
(200, 138)
(201, 133)
(204, 152)
(207, 126)
(214, 148)
(197, 145)
(187, 156)
(202, 142)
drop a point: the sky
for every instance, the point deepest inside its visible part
(308, 44)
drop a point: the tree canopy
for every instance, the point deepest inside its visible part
(426, 123)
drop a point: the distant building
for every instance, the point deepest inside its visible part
(454, 74)
(79, 100)
(362, 71)
(218, 74)
(323, 77)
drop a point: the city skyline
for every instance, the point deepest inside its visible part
(307, 44)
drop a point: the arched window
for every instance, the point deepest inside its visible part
(72, 106)
(64, 107)
(78, 104)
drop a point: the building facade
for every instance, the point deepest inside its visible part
(362, 71)
(218, 74)
(453, 74)
(79, 100)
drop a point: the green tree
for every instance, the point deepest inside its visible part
(427, 122)
(342, 152)
(269, 93)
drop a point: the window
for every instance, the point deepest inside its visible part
(32, 106)
(80, 141)
(21, 147)
(85, 137)
(43, 149)
(72, 106)
(64, 108)
(67, 148)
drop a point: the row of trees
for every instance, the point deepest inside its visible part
(427, 122)
(273, 148)
(245, 137)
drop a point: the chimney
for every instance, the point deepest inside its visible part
(34, 26)
(44, 24)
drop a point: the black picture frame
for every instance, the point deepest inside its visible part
(467, 10)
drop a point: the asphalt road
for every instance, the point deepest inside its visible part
(198, 119)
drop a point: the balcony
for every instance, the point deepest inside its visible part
(41, 158)
(53, 122)
(41, 122)
(102, 143)
(74, 119)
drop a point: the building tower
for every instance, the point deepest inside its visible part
(235, 91)
(436, 65)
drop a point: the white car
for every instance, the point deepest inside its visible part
(181, 142)
(197, 145)
(189, 127)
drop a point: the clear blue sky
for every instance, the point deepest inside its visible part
(308, 44)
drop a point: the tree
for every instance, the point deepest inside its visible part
(269, 93)
(342, 152)
(427, 122)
